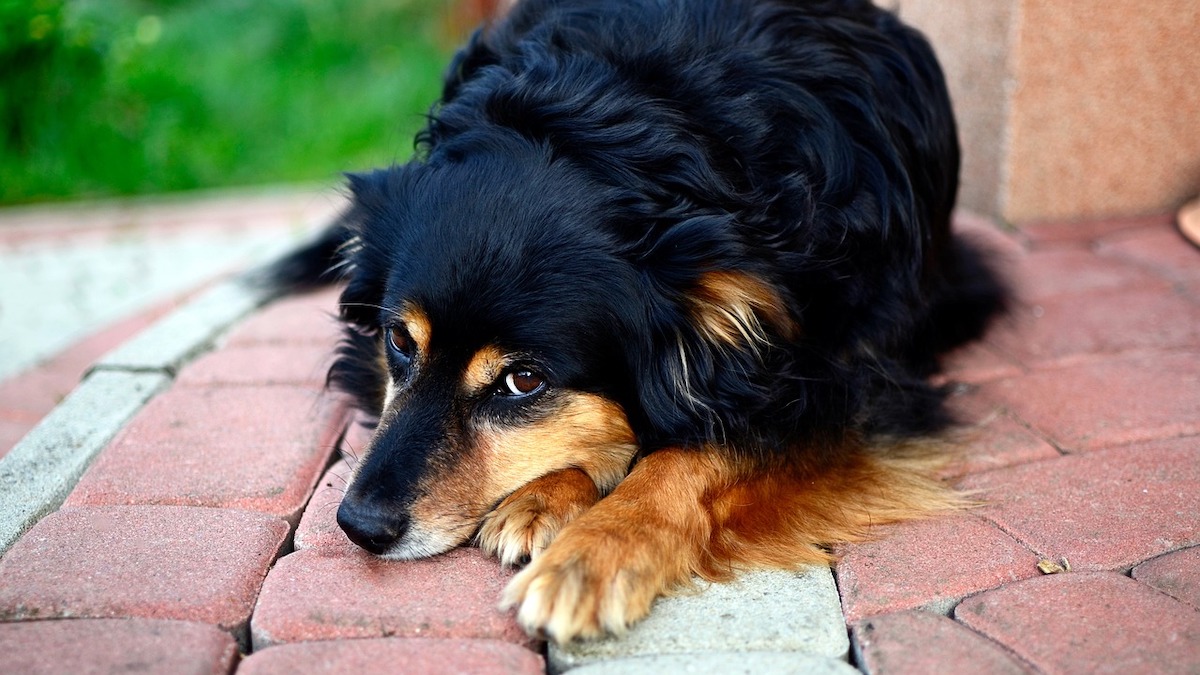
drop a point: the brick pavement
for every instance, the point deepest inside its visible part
(206, 526)
(115, 267)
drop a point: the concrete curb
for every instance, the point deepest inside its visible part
(722, 663)
(37, 474)
(797, 613)
(187, 332)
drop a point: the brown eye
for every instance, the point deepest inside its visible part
(522, 383)
(400, 343)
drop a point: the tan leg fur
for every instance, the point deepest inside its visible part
(681, 514)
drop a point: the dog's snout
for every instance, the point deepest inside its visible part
(370, 529)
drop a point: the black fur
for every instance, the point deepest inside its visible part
(591, 159)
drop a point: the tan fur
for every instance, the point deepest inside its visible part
(483, 369)
(683, 513)
(419, 328)
(449, 502)
(587, 433)
(730, 308)
(787, 517)
(524, 524)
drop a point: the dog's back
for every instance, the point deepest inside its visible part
(823, 127)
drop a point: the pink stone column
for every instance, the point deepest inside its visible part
(1070, 109)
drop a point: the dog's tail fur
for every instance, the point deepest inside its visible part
(312, 266)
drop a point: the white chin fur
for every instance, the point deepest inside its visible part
(421, 543)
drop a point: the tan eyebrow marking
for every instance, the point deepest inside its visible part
(419, 328)
(483, 369)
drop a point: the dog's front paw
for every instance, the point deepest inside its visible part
(525, 523)
(588, 583)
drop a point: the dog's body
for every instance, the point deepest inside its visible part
(657, 298)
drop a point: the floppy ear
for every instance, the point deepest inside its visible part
(737, 310)
(364, 261)
(710, 335)
(372, 224)
(710, 357)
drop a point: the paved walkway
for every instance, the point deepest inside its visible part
(200, 525)
(77, 280)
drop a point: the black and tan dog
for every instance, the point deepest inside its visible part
(658, 297)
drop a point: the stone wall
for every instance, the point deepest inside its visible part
(1071, 109)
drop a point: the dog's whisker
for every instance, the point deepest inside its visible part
(369, 305)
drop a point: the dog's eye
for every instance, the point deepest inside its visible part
(400, 343)
(522, 383)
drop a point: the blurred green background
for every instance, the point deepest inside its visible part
(123, 97)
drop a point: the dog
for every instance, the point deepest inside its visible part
(659, 297)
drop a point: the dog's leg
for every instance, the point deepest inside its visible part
(524, 524)
(683, 513)
(606, 567)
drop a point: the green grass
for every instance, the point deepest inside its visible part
(121, 97)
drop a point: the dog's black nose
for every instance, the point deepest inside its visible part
(369, 528)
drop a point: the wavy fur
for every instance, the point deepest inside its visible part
(728, 221)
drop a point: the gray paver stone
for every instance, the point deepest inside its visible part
(722, 663)
(37, 475)
(188, 331)
(762, 611)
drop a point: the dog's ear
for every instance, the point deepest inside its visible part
(364, 259)
(708, 334)
(373, 223)
(738, 310)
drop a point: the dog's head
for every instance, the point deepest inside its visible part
(504, 323)
(482, 301)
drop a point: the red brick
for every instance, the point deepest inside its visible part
(315, 595)
(989, 438)
(978, 362)
(73, 362)
(80, 356)
(390, 655)
(1002, 244)
(11, 433)
(34, 393)
(1088, 406)
(233, 211)
(1088, 622)
(919, 643)
(115, 646)
(1081, 232)
(318, 525)
(258, 448)
(304, 319)
(1160, 249)
(929, 563)
(1062, 328)
(1045, 274)
(1176, 574)
(1106, 510)
(29, 396)
(1191, 290)
(358, 434)
(158, 562)
(994, 444)
(263, 364)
